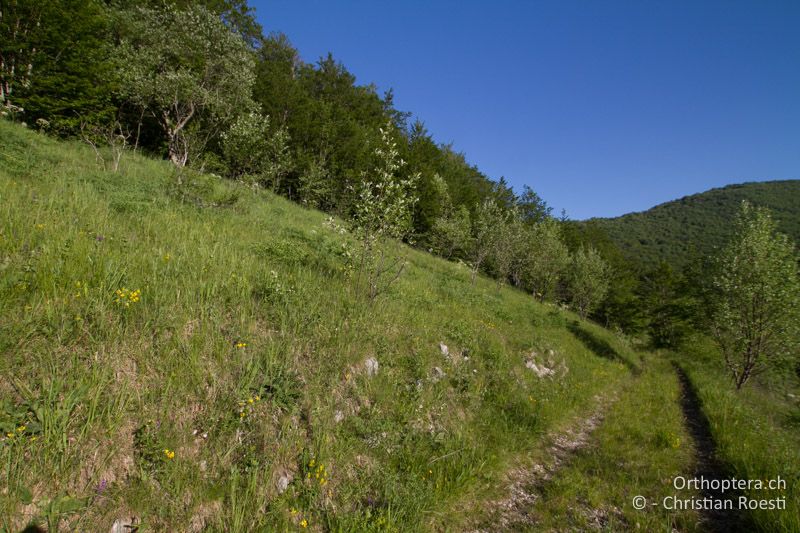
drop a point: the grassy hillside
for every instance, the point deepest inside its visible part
(676, 231)
(189, 357)
(756, 431)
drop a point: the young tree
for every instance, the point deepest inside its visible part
(487, 230)
(756, 314)
(383, 212)
(506, 246)
(451, 233)
(588, 280)
(254, 152)
(181, 64)
(315, 186)
(545, 258)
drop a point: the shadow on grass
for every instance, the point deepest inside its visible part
(600, 347)
(707, 464)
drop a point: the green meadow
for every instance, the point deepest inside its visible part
(186, 353)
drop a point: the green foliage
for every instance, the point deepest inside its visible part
(546, 259)
(254, 153)
(669, 306)
(315, 187)
(214, 327)
(698, 225)
(588, 280)
(754, 429)
(181, 65)
(451, 233)
(488, 234)
(641, 441)
(532, 207)
(56, 62)
(756, 315)
(382, 212)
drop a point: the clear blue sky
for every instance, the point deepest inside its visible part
(602, 107)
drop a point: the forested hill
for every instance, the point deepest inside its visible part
(676, 231)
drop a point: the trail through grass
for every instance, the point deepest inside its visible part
(191, 356)
(589, 483)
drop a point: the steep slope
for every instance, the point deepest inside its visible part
(676, 231)
(190, 355)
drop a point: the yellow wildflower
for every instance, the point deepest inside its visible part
(304, 523)
(169, 454)
(21, 428)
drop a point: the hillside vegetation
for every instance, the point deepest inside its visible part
(192, 356)
(242, 292)
(696, 225)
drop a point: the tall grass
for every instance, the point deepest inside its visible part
(755, 431)
(202, 403)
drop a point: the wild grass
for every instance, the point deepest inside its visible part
(212, 399)
(639, 448)
(755, 430)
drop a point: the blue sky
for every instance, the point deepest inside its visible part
(602, 107)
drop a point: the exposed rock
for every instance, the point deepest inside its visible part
(338, 416)
(283, 483)
(371, 366)
(124, 525)
(438, 374)
(540, 370)
(445, 350)
(549, 369)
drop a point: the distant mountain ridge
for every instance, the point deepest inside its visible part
(678, 230)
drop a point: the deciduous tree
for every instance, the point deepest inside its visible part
(181, 64)
(545, 258)
(383, 213)
(756, 315)
(587, 281)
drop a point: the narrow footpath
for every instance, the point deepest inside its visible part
(707, 466)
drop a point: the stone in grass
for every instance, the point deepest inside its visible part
(283, 483)
(540, 370)
(124, 525)
(438, 374)
(445, 350)
(371, 366)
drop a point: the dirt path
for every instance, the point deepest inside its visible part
(525, 483)
(707, 465)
